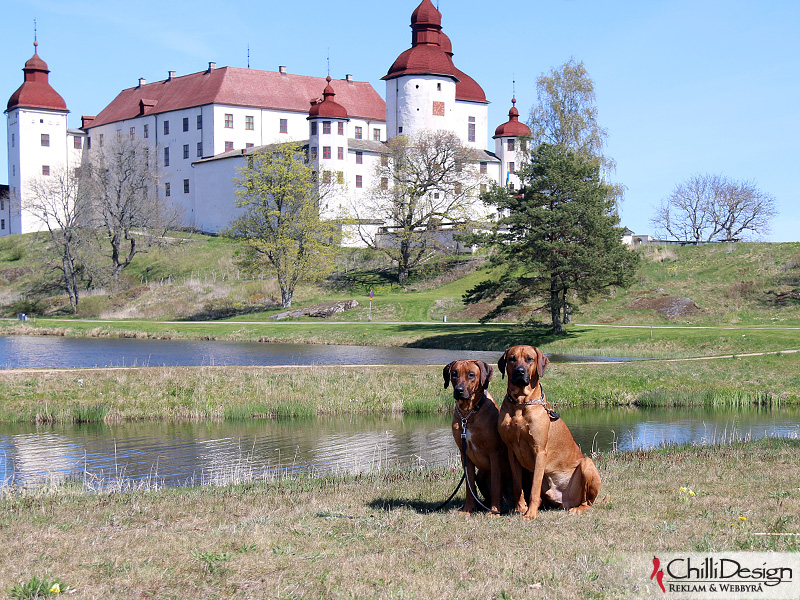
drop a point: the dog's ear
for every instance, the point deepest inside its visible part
(501, 365)
(541, 362)
(486, 373)
(446, 374)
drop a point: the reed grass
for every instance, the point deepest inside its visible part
(236, 393)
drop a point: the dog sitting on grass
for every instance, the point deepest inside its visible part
(475, 415)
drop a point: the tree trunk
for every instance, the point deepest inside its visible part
(286, 297)
(555, 308)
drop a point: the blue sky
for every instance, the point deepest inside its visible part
(683, 87)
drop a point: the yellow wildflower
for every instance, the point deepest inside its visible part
(56, 589)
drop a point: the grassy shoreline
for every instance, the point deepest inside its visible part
(372, 536)
(116, 395)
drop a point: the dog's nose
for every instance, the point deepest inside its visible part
(520, 369)
(458, 388)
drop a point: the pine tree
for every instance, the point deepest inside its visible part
(560, 240)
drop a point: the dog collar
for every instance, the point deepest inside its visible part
(540, 401)
(463, 418)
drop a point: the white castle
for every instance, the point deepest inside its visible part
(204, 124)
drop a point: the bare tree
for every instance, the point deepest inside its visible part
(421, 182)
(741, 210)
(707, 208)
(121, 179)
(59, 203)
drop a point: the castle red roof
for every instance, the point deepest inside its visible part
(512, 127)
(35, 91)
(431, 53)
(234, 86)
(327, 107)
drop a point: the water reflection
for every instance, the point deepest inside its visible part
(53, 352)
(219, 453)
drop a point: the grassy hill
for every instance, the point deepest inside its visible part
(197, 278)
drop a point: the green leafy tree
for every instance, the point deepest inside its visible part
(280, 224)
(560, 240)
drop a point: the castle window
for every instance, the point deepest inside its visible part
(132, 132)
(45, 139)
(326, 152)
(471, 129)
(186, 151)
(166, 156)
(166, 127)
(313, 153)
(166, 189)
(314, 128)
(146, 131)
(13, 174)
(376, 134)
(340, 177)
(200, 121)
(438, 87)
(186, 123)
(384, 183)
(249, 123)
(13, 140)
(359, 158)
(483, 188)
(2, 224)
(199, 149)
(45, 169)
(185, 186)
(359, 133)
(77, 143)
(248, 145)
(511, 167)
(228, 146)
(100, 140)
(326, 127)
(384, 160)
(483, 167)
(340, 153)
(510, 145)
(326, 177)
(438, 109)
(359, 181)
(228, 120)
(340, 128)
(284, 126)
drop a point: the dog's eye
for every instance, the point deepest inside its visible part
(454, 376)
(471, 375)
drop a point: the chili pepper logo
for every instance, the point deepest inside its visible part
(658, 574)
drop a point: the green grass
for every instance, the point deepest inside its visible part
(240, 393)
(374, 535)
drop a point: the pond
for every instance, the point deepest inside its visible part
(168, 454)
(55, 352)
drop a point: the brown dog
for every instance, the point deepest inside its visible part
(475, 415)
(538, 440)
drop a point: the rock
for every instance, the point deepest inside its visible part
(669, 306)
(322, 311)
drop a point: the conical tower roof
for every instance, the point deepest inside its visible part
(36, 91)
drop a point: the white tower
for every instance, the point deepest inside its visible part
(328, 147)
(508, 138)
(421, 84)
(38, 142)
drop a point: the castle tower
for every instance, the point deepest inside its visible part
(508, 138)
(37, 142)
(421, 84)
(328, 147)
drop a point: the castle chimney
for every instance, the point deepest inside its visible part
(211, 66)
(349, 77)
(171, 75)
(282, 70)
(142, 81)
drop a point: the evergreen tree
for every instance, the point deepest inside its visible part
(560, 240)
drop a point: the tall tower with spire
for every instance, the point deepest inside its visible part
(508, 138)
(421, 84)
(38, 141)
